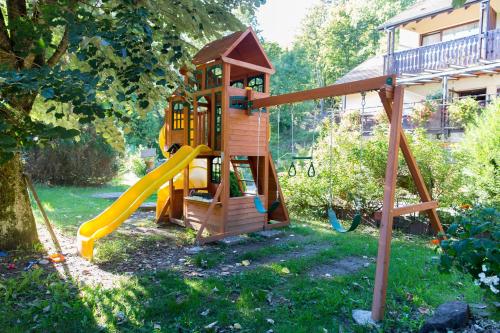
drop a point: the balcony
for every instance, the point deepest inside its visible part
(457, 53)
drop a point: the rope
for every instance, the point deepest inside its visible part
(258, 150)
(362, 111)
(332, 119)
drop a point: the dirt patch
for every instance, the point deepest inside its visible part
(232, 265)
(147, 248)
(344, 266)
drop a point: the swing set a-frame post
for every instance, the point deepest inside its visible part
(392, 97)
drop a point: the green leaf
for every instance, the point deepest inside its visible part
(48, 93)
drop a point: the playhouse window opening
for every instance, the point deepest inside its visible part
(196, 80)
(177, 115)
(238, 84)
(256, 83)
(216, 170)
(214, 77)
(218, 121)
(190, 125)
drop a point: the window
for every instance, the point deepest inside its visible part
(195, 80)
(238, 84)
(216, 170)
(218, 121)
(431, 39)
(457, 32)
(177, 115)
(464, 30)
(478, 94)
(256, 83)
(214, 77)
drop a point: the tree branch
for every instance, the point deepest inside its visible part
(61, 48)
(4, 37)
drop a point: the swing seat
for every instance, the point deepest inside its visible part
(260, 206)
(356, 221)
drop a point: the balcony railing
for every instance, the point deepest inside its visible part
(462, 52)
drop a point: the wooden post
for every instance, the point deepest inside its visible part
(413, 167)
(186, 192)
(225, 149)
(384, 244)
(29, 183)
(196, 136)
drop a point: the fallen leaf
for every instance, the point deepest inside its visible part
(423, 310)
(211, 325)
(245, 262)
(205, 313)
(237, 326)
(285, 270)
(270, 321)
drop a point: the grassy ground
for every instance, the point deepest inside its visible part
(279, 295)
(68, 207)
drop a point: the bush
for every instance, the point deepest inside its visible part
(138, 166)
(480, 153)
(473, 246)
(90, 161)
(356, 175)
(464, 111)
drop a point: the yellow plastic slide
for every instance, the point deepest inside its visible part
(130, 200)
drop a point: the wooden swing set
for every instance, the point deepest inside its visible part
(229, 106)
(391, 97)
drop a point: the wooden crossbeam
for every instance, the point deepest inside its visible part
(342, 89)
(398, 211)
(210, 210)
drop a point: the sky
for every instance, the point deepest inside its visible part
(280, 20)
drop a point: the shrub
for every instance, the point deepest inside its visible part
(138, 166)
(480, 152)
(356, 175)
(90, 161)
(422, 112)
(473, 246)
(464, 111)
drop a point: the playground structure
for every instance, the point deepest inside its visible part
(223, 127)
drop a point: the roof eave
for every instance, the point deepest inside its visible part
(396, 24)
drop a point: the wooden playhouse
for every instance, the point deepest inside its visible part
(229, 72)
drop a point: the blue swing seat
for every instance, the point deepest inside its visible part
(338, 227)
(260, 206)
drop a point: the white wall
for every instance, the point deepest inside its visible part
(408, 40)
(417, 93)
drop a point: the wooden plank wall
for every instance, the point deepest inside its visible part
(242, 216)
(197, 210)
(243, 130)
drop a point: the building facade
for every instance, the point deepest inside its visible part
(438, 53)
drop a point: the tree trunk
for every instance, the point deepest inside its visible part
(17, 224)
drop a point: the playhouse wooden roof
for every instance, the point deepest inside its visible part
(241, 48)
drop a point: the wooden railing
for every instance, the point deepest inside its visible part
(462, 52)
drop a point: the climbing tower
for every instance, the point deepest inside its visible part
(229, 72)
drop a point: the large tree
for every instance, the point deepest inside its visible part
(98, 58)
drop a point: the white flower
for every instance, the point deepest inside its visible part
(485, 268)
(482, 276)
(493, 289)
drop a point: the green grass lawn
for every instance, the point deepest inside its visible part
(258, 300)
(68, 206)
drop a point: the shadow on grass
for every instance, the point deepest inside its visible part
(41, 300)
